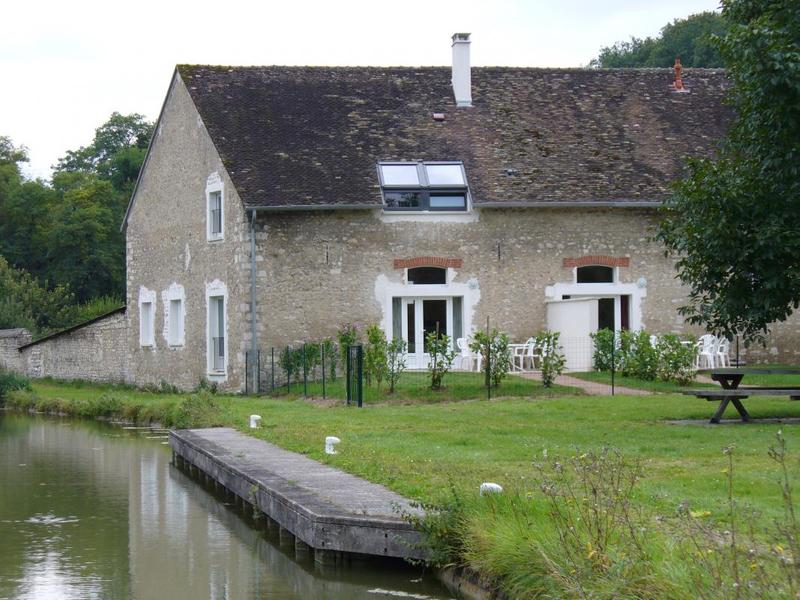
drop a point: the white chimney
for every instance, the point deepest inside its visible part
(462, 80)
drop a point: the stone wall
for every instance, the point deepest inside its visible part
(10, 341)
(96, 351)
(167, 249)
(323, 269)
(319, 270)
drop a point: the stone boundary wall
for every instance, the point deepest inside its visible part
(94, 351)
(10, 341)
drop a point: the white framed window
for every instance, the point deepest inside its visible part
(147, 314)
(217, 324)
(424, 187)
(174, 300)
(215, 208)
(175, 323)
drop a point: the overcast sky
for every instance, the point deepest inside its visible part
(66, 66)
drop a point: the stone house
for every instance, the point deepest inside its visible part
(308, 197)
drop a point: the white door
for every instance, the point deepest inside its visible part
(420, 317)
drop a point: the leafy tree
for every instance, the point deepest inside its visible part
(496, 355)
(66, 232)
(116, 153)
(25, 217)
(395, 361)
(732, 222)
(375, 356)
(25, 303)
(10, 157)
(442, 356)
(691, 39)
(85, 248)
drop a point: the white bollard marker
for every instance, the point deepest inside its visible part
(330, 442)
(491, 488)
(255, 421)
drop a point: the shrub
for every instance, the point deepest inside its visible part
(291, 362)
(309, 358)
(395, 361)
(375, 359)
(640, 359)
(328, 348)
(12, 381)
(675, 360)
(635, 356)
(349, 335)
(164, 387)
(494, 350)
(202, 409)
(442, 356)
(604, 341)
(553, 360)
(204, 385)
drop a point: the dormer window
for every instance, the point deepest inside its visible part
(424, 186)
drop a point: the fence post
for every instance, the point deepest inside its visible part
(348, 375)
(247, 373)
(272, 371)
(360, 387)
(288, 370)
(322, 353)
(613, 350)
(305, 373)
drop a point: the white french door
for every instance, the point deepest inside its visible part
(421, 316)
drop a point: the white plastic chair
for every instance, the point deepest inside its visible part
(526, 352)
(723, 354)
(706, 352)
(465, 356)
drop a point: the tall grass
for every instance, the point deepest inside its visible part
(10, 381)
(578, 533)
(202, 409)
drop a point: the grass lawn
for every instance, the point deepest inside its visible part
(665, 387)
(414, 388)
(669, 387)
(422, 449)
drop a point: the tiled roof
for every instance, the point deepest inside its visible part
(312, 136)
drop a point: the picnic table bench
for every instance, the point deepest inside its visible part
(731, 393)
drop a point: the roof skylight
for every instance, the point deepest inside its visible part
(423, 186)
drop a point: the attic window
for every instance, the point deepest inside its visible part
(423, 186)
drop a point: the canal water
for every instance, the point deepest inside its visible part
(94, 511)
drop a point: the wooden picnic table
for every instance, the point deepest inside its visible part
(730, 392)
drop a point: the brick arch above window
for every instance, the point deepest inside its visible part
(597, 259)
(428, 261)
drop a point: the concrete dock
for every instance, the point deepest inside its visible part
(317, 507)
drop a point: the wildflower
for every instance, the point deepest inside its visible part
(699, 514)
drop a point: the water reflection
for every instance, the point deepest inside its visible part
(89, 511)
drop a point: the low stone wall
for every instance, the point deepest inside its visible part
(94, 351)
(10, 341)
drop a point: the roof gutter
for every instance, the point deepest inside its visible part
(314, 207)
(509, 204)
(572, 204)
